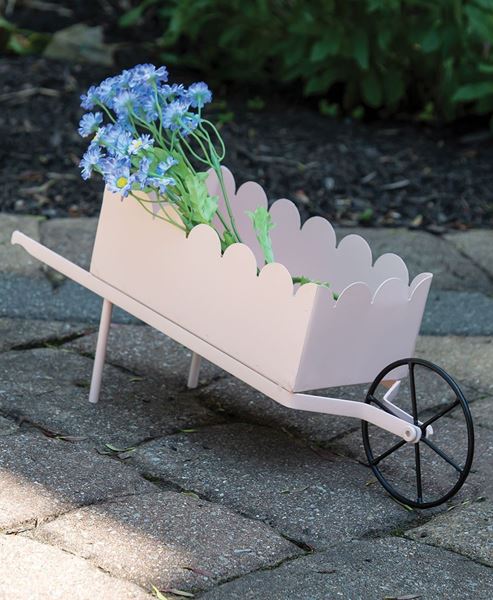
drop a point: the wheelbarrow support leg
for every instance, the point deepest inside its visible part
(97, 371)
(193, 375)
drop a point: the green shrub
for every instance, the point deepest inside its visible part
(430, 56)
(14, 40)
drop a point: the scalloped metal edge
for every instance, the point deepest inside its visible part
(310, 248)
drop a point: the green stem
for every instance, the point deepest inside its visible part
(218, 136)
(170, 221)
(106, 111)
(219, 173)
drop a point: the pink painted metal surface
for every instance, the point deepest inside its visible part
(300, 339)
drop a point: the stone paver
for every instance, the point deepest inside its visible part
(42, 477)
(482, 412)
(423, 251)
(367, 570)
(167, 539)
(242, 402)
(7, 426)
(467, 531)
(477, 245)
(314, 497)
(50, 388)
(72, 238)
(145, 351)
(30, 298)
(18, 333)
(457, 313)
(33, 571)
(466, 359)
(14, 259)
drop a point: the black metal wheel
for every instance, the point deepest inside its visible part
(431, 471)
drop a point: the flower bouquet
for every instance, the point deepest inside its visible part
(151, 141)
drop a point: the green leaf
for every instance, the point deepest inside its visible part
(485, 68)
(262, 223)
(7, 25)
(202, 206)
(431, 41)
(132, 16)
(361, 50)
(328, 46)
(384, 38)
(480, 22)
(473, 91)
(328, 109)
(371, 89)
(321, 83)
(393, 86)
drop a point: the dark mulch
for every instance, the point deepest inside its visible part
(376, 173)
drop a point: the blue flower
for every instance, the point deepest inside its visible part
(147, 73)
(115, 139)
(176, 117)
(172, 92)
(91, 158)
(124, 103)
(161, 183)
(90, 99)
(148, 108)
(164, 166)
(198, 94)
(90, 123)
(143, 172)
(107, 89)
(143, 142)
(117, 175)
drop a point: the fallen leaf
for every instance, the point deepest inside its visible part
(157, 593)
(192, 495)
(71, 438)
(180, 593)
(197, 571)
(118, 450)
(407, 597)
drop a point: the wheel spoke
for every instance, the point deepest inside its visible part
(419, 483)
(443, 412)
(442, 454)
(412, 385)
(388, 452)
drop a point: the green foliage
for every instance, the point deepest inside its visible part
(20, 41)
(381, 54)
(262, 223)
(203, 206)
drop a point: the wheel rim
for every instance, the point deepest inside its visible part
(385, 462)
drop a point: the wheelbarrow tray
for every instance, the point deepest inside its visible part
(302, 339)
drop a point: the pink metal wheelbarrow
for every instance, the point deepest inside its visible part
(286, 340)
